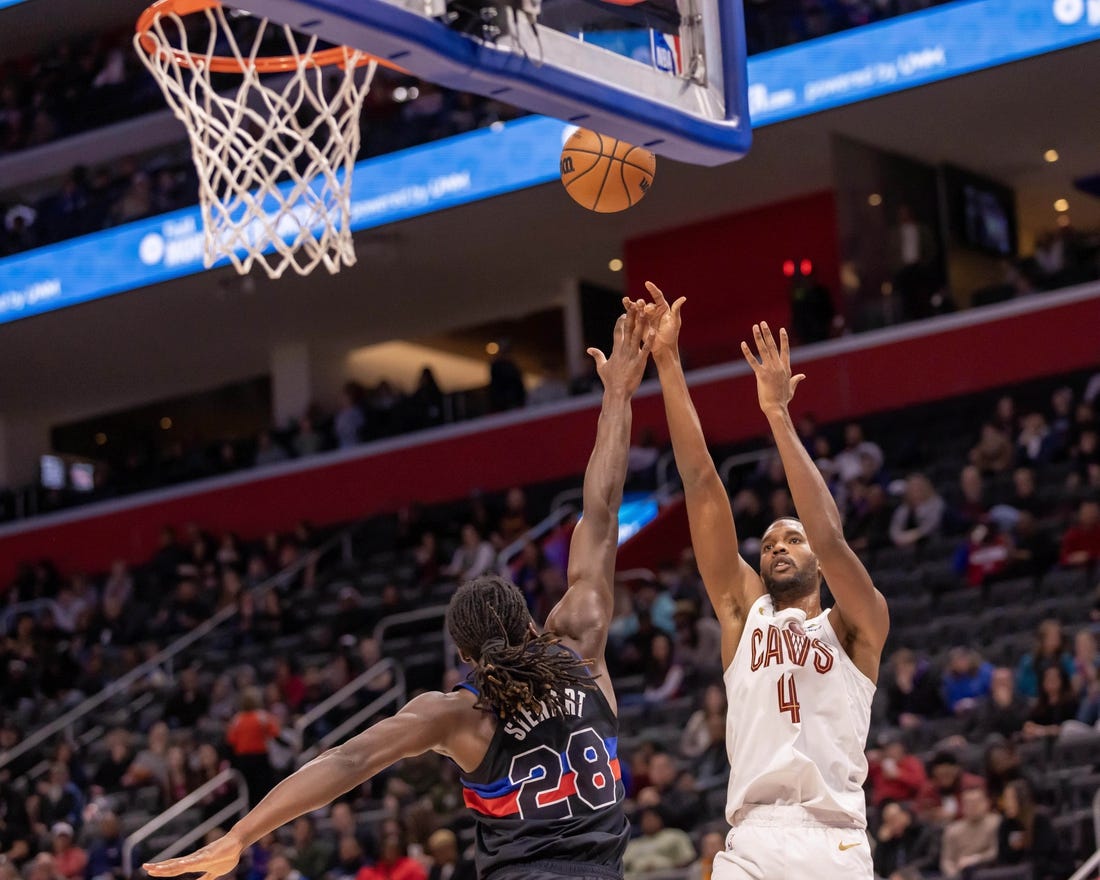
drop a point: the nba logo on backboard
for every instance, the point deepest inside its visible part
(666, 52)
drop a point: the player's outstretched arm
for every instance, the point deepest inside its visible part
(584, 613)
(731, 583)
(862, 608)
(425, 723)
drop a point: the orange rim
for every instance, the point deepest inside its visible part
(338, 55)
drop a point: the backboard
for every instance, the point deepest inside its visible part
(668, 75)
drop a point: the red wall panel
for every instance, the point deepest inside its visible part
(731, 269)
(889, 369)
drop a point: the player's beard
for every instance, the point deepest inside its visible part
(794, 583)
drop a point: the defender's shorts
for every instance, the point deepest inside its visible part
(790, 843)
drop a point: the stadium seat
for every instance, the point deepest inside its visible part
(1005, 872)
(1013, 592)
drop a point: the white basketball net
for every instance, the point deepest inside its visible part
(275, 156)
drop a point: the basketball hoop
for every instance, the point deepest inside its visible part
(275, 155)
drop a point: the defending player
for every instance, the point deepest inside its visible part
(534, 731)
(799, 680)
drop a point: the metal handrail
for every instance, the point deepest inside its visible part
(24, 607)
(398, 694)
(742, 458)
(567, 497)
(352, 687)
(238, 807)
(557, 513)
(1093, 861)
(429, 613)
(181, 644)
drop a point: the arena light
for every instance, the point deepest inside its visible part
(100, 439)
(874, 200)
(615, 265)
(1051, 156)
(492, 348)
(165, 424)
(1061, 206)
(788, 268)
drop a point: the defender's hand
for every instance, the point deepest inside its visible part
(775, 385)
(212, 861)
(623, 371)
(664, 319)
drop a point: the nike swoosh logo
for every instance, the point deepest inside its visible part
(846, 846)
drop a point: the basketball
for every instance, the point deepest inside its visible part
(604, 174)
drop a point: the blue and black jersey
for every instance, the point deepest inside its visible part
(550, 790)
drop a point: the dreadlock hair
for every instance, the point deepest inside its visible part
(513, 669)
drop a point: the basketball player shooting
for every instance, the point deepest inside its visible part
(799, 679)
(534, 727)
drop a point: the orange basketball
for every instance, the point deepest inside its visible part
(604, 174)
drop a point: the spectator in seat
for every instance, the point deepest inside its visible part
(971, 840)
(1050, 650)
(1085, 459)
(248, 735)
(1086, 675)
(939, 802)
(447, 862)
(972, 505)
(474, 556)
(1034, 553)
(696, 738)
(150, 767)
(919, 515)
(279, 868)
(849, 462)
(1081, 542)
(913, 691)
(679, 806)
(506, 388)
(664, 675)
(394, 862)
(349, 422)
(105, 853)
(657, 848)
(308, 855)
(1026, 834)
(868, 522)
(427, 402)
(711, 843)
(513, 522)
(993, 453)
(906, 846)
(967, 680)
(108, 775)
(307, 441)
(349, 859)
(343, 823)
(1002, 765)
(1035, 442)
(894, 774)
(987, 555)
(1057, 704)
(69, 859)
(268, 452)
(189, 703)
(43, 867)
(698, 647)
(1000, 715)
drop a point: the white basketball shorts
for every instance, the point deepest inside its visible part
(789, 843)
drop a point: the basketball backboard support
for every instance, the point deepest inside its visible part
(688, 104)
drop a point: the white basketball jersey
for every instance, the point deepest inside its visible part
(799, 712)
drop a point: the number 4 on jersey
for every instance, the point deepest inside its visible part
(788, 696)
